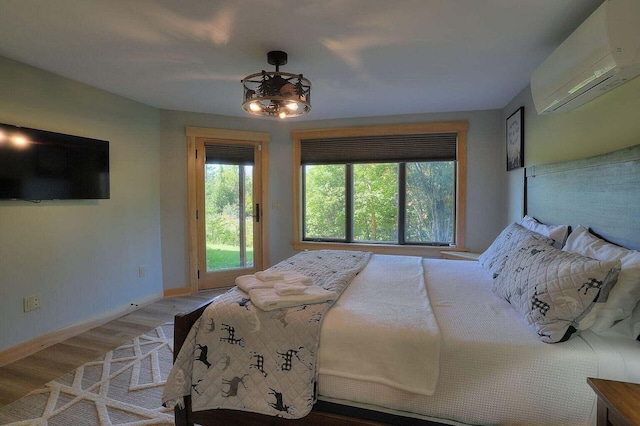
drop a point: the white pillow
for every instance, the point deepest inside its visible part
(628, 327)
(625, 294)
(495, 256)
(557, 232)
(553, 289)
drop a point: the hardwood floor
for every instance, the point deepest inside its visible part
(30, 373)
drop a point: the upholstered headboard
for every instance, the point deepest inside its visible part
(602, 193)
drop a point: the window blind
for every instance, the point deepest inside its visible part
(378, 149)
(228, 154)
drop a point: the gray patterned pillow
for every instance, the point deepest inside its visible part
(553, 289)
(503, 246)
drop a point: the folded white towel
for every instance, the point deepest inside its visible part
(247, 283)
(284, 289)
(293, 277)
(268, 300)
(269, 275)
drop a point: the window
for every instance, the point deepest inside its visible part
(384, 186)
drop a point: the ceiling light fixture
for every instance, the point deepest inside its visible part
(275, 93)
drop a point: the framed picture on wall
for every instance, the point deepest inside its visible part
(515, 139)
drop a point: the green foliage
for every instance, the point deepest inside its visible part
(325, 202)
(222, 213)
(429, 210)
(221, 186)
(430, 202)
(222, 203)
(220, 256)
(375, 204)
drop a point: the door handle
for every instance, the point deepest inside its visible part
(257, 215)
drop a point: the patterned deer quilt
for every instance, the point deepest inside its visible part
(239, 357)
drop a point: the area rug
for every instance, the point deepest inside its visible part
(122, 388)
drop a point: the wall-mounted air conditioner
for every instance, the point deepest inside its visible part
(602, 53)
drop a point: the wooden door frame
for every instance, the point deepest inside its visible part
(194, 133)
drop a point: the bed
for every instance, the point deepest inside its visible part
(484, 362)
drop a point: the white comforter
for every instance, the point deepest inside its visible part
(493, 368)
(383, 330)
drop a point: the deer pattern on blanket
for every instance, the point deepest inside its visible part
(277, 369)
(265, 362)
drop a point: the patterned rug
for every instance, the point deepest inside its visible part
(122, 388)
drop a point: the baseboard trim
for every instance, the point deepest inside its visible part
(22, 350)
(180, 291)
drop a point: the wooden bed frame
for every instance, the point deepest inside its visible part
(554, 194)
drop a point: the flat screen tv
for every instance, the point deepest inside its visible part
(39, 165)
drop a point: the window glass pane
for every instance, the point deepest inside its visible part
(249, 212)
(375, 202)
(222, 222)
(430, 204)
(324, 202)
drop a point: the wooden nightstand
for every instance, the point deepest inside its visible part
(618, 402)
(459, 255)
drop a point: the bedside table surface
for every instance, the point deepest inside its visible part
(621, 399)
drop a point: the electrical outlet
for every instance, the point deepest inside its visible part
(32, 302)
(142, 271)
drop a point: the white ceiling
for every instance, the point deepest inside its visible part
(363, 57)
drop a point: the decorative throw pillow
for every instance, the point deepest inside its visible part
(553, 289)
(499, 251)
(626, 294)
(557, 232)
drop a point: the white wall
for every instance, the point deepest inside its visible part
(81, 256)
(608, 123)
(485, 177)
